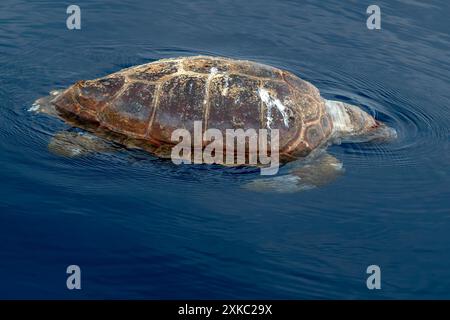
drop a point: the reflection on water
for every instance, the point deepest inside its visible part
(142, 227)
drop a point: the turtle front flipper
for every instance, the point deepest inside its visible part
(314, 173)
(76, 144)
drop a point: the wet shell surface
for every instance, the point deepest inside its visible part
(148, 102)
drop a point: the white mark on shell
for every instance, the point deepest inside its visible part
(271, 102)
(227, 84)
(212, 72)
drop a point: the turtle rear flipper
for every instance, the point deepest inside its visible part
(319, 172)
(45, 105)
(76, 144)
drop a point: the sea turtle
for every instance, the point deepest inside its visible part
(141, 106)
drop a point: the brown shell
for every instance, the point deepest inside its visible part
(148, 102)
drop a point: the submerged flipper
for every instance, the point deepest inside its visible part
(315, 173)
(75, 144)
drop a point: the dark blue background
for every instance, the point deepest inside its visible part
(143, 228)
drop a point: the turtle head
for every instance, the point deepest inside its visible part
(352, 124)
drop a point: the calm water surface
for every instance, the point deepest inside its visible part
(140, 227)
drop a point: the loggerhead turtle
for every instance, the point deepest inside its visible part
(139, 107)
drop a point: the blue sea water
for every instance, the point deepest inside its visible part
(140, 227)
